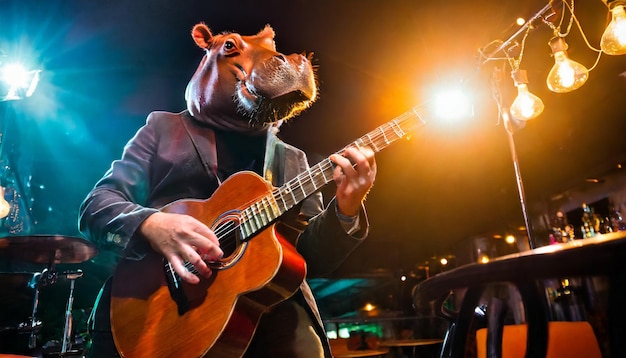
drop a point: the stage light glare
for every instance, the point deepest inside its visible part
(613, 40)
(566, 75)
(17, 82)
(453, 105)
(526, 105)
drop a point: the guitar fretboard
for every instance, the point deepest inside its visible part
(270, 207)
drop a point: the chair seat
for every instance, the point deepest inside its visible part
(565, 339)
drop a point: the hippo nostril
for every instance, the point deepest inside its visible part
(281, 57)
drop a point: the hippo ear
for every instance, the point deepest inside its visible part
(267, 31)
(202, 35)
(267, 34)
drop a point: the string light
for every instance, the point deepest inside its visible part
(566, 75)
(613, 40)
(526, 105)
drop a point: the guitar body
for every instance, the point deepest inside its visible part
(221, 313)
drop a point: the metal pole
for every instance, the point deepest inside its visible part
(520, 185)
(67, 330)
(518, 32)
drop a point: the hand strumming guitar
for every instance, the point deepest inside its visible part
(181, 238)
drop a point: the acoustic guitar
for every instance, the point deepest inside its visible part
(155, 314)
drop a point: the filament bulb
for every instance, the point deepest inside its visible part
(526, 105)
(613, 40)
(566, 75)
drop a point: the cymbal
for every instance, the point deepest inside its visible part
(47, 249)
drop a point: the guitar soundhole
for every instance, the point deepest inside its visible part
(226, 227)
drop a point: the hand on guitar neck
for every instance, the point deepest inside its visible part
(354, 177)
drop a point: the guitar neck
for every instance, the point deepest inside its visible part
(270, 207)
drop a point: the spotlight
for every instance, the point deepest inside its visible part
(453, 105)
(16, 82)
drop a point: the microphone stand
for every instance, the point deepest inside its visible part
(39, 279)
(509, 127)
(518, 179)
(528, 23)
(67, 331)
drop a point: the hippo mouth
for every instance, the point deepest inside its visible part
(258, 109)
(278, 89)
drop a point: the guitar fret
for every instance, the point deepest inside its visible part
(246, 224)
(252, 221)
(260, 214)
(321, 180)
(256, 215)
(384, 135)
(390, 133)
(397, 129)
(293, 196)
(323, 174)
(312, 181)
(372, 143)
(269, 208)
(282, 199)
(304, 195)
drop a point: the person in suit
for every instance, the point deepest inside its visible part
(241, 92)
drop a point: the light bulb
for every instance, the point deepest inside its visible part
(5, 207)
(526, 105)
(613, 40)
(566, 75)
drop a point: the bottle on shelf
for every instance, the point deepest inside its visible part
(615, 218)
(588, 227)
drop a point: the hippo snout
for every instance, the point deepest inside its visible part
(281, 75)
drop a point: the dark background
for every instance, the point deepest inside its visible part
(106, 65)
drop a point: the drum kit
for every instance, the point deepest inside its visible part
(47, 251)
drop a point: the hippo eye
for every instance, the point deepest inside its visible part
(229, 45)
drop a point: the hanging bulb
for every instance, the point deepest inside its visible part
(5, 207)
(566, 75)
(613, 40)
(526, 105)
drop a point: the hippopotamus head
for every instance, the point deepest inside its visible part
(244, 84)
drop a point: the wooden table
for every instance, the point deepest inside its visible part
(411, 343)
(361, 353)
(339, 348)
